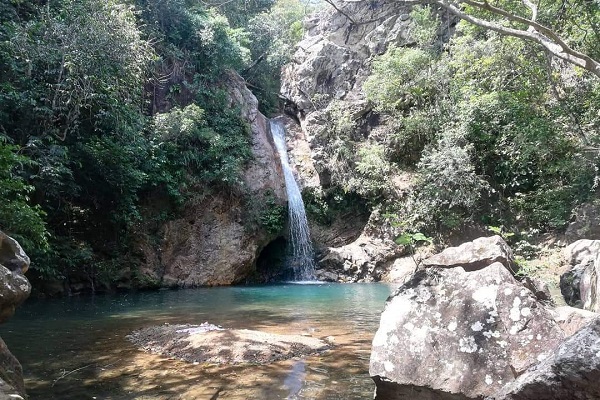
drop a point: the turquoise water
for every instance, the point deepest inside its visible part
(75, 348)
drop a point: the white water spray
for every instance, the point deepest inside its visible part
(301, 256)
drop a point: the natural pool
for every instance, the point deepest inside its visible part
(75, 348)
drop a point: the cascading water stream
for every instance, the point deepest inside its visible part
(301, 257)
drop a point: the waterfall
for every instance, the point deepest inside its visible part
(301, 256)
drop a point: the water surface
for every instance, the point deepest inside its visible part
(75, 348)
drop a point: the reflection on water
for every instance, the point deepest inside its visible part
(75, 348)
(295, 380)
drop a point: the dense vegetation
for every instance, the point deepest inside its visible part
(491, 130)
(105, 105)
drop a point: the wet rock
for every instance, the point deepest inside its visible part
(475, 255)
(263, 173)
(363, 260)
(327, 276)
(580, 284)
(571, 371)
(460, 333)
(14, 289)
(299, 155)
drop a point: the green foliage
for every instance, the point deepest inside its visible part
(239, 12)
(325, 206)
(272, 215)
(273, 35)
(501, 134)
(18, 217)
(541, 172)
(190, 144)
(198, 36)
(371, 173)
(423, 26)
(401, 78)
(448, 189)
(501, 231)
(88, 159)
(411, 239)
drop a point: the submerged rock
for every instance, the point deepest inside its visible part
(212, 344)
(14, 289)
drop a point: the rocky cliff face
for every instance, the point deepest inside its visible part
(14, 289)
(323, 88)
(331, 64)
(217, 240)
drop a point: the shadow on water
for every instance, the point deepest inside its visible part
(77, 348)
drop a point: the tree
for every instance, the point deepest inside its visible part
(497, 142)
(525, 20)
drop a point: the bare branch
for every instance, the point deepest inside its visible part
(332, 4)
(535, 31)
(533, 8)
(538, 33)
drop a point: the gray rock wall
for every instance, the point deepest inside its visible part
(214, 243)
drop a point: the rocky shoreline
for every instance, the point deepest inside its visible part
(469, 325)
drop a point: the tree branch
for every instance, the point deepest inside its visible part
(332, 4)
(536, 32)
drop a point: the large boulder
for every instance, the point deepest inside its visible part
(475, 255)
(571, 371)
(585, 224)
(14, 289)
(218, 238)
(210, 246)
(364, 260)
(452, 333)
(580, 284)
